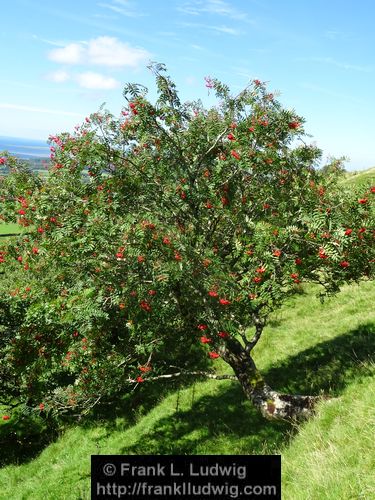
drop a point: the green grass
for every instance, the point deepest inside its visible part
(10, 229)
(358, 179)
(333, 455)
(307, 348)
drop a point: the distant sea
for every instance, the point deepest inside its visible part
(24, 148)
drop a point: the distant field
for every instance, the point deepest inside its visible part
(357, 179)
(25, 148)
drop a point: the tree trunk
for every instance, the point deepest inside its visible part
(272, 404)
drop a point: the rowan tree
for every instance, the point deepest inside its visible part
(167, 236)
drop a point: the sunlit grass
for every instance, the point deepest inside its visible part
(362, 178)
(305, 321)
(11, 228)
(333, 455)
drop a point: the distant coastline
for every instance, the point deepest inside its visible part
(25, 148)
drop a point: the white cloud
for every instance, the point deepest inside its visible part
(72, 53)
(221, 29)
(33, 109)
(58, 76)
(223, 9)
(189, 9)
(225, 29)
(103, 51)
(104, 16)
(123, 7)
(91, 80)
(48, 42)
(216, 7)
(109, 51)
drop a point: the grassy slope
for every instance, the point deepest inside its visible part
(10, 228)
(333, 455)
(363, 177)
(307, 348)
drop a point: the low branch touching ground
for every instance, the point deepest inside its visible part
(181, 373)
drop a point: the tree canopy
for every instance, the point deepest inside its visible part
(166, 236)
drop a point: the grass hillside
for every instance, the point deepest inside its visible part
(307, 348)
(361, 178)
(10, 229)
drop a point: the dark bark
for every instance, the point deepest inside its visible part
(5, 235)
(272, 404)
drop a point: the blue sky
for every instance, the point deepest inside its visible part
(61, 60)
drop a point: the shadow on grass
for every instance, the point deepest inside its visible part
(227, 418)
(328, 366)
(220, 423)
(24, 438)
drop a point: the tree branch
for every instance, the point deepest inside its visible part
(218, 138)
(259, 325)
(181, 373)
